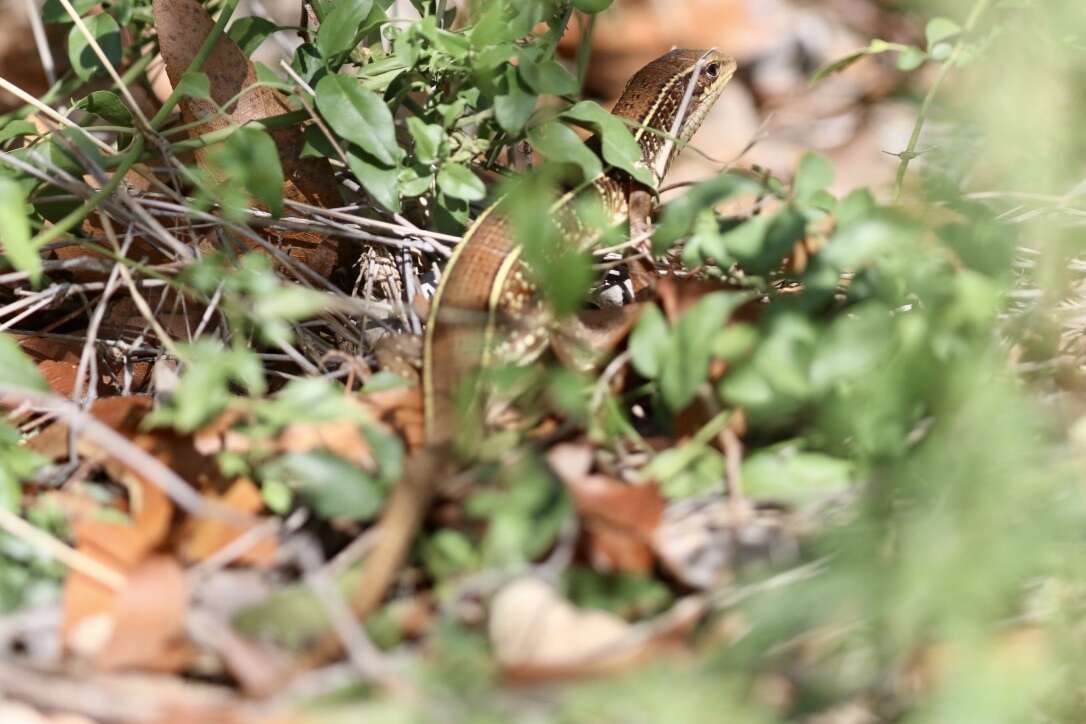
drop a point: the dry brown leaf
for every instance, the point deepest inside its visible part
(536, 634)
(139, 626)
(182, 27)
(127, 544)
(400, 408)
(202, 537)
(619, 520)
(341, 437)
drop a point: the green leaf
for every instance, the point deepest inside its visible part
(592, 6)
(681, 213)
(744, 241)
(684, 365)
(557, 142)
(813, 175)
(514, 106)
(876, 47)
(249, 157)
(340, 27)
(618, 144)
(452, 44)
(53, 12)
(316, 144)
(108, 106)
(939, 30)
(448, 553)
(548, 77)
(334, 487)
(649, 341)
(910, 59)
(427, 137)
(381, 183)
(204, 387)
(459, 182)
(853, 346)
(15, 238)
(360, 116)
(194, 85)
(15, 129)
(16, 369)
(787, 474)
(85, 62)
(776, 380)
(250, 32)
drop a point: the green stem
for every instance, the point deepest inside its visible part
(135, 150)
(910, 150)
(75, 217)
(197, 62)
(584, 50)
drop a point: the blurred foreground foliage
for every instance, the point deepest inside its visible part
(950, 590)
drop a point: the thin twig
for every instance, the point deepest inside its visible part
(124, 451)
(910, 150)
(77, 561)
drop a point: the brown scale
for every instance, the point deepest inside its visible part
(461, 316)
(468, 314)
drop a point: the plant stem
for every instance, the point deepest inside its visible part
(910, 150)
(135, 150)
(197, 62)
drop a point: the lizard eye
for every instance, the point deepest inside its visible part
(712, 70)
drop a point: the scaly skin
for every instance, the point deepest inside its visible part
(485, 283)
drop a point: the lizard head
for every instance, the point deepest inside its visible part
(668, 99)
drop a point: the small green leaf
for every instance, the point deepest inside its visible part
(684, 366)
(454, 45)
(514, 106)
(910, 59)
(15, 239)
(548, 77)
(194, 85)
(53, 12)
(875, 47)
(108, 106)
(681, 213)
(557, 142)
(427, 137)
(16, 369)
(15, 129)
(459, 182)
(813, 175)
(250, 32)
(744, 241)
(786, 473)
(249, 157)
(105, 31)
(204, 388)
(381, 183)
(360, 116)
(649, 341)
(334, 487)
(337, 33)
(617, 143)
(592, 6)
(316, 144)
(940, 30)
